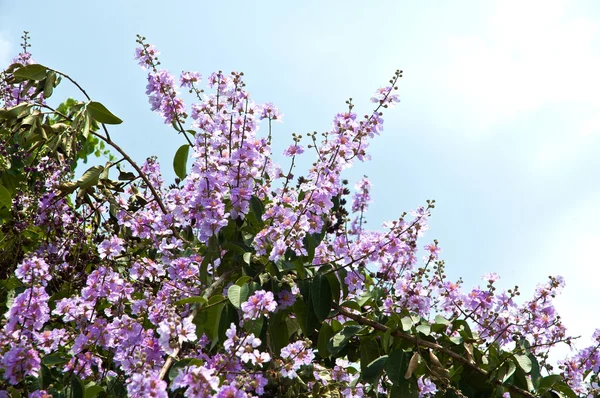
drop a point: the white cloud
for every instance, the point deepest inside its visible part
(532, 55)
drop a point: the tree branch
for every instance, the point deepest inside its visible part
(424, 343)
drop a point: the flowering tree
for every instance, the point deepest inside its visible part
(237, 279)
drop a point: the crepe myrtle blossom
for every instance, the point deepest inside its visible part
(37, 394)
(247, 351)
(188, 79)
(490, 277)
(285, 299)
(199, 381)
(293, 150)
(146, 55)
(33, 269)
(230, 392)
(260, 303)
(29, 310)
(426, 387)
(296, 355)
(173, 333)
(270, 111)
(18, 362)
(111, 248)
(353, 392)
(146, 384)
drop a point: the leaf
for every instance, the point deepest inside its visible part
(45, 377)
(191, 300)
(334, 283)
(407, 323)
(237, 295)
(396, 364)
(92, 390)
(505, 373)
(425, 329)
(321, 297)
(524, 362)
(49, 85)
(325, 334)
(412, 365)
(563, 388)
(32, 72)
(54, 359)
(90, 177)
(548, 382)
(180, 161)
(5, 197)
(340, 339)
(374, 369)
(101, 114)
(77, 388)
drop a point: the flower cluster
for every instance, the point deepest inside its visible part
(236, 280)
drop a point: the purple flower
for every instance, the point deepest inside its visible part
(110, 248)
(293, 150)
(33, 270)
(146, 55)
(173, 333)
(286, 299)
(426, 387)
(260, 303)
(141, 385)
(187, 79)
(270, 111)
(29, 310)
(19, 362)
(230, 392)
(297, 355)
(39, 394)
(199, 381)
(490, 277)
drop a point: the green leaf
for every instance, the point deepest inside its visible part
(548, 382)
(279, 332)
(425, 329)
(92, 390)
(321, 297)
(90, 177)
(374, 369)
(325, 334)
(77, 388)
(45, 377)
(180, 161)
(340, 339)
(191, 300)
(32, 72)
(505, 373)
(49, 85)
(334, 283)
(101, 114)
(407, 323)
(5, 197)
(396, 366)
(563, 388)
(237, 295)
(524, 362)
(54, 359)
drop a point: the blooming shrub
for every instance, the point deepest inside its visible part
(236, 279)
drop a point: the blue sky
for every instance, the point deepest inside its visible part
(499, 119)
